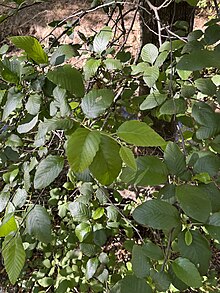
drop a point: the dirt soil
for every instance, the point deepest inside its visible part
(34, 21)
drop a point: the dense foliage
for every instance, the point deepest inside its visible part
(103, 189)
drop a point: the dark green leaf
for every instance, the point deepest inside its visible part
(206, 86)
(162, 281)
(131, 284)
(140, 262)
(194, 202)
(174, 159)
(38, 224)
(107, 162)
(157, 214)
(198, 247)
(187, 272)
(68, 78)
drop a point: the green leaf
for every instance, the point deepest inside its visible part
(91, 68)
(8, 225)
(207, 164)
(214, 232)
(112, 64)
(82, 147)
(193, 251)
(91, 267)
(214, 219)
(174, 106)
(206, 86)
(96, 102)
(213, 193)
(152, 251)
(45, 282)
(162, 281)
(149, 53)
(107, 162)
(157, 214)
(150, 171)
(68, 78)
(27, 124)
(38, 224)
(98, 213)
(174, 159)
(60, 101)
(187, 272)
(79, 211)
(140, 263)
(82, 230)
(99, 237)
(19, 198)
(33, 104)
(102, 39)
(14, 100)
(14, 256)
(62, 54)
(128, 158)
(188, 238)
(47, 171)
(131, 284)
(197, 60)
(139, 134)
(112, 213)
(32, 47)
(211, 35)
(194, 202)
(151, 75)
(153, 100)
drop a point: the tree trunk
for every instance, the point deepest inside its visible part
(168, 16)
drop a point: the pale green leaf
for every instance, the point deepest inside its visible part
(102, 39)
(32, 47)
(139, 134)
(91, 267)
(151, 75)
(149, 53)
(96, 102)
(14, 256)
(47, 171)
